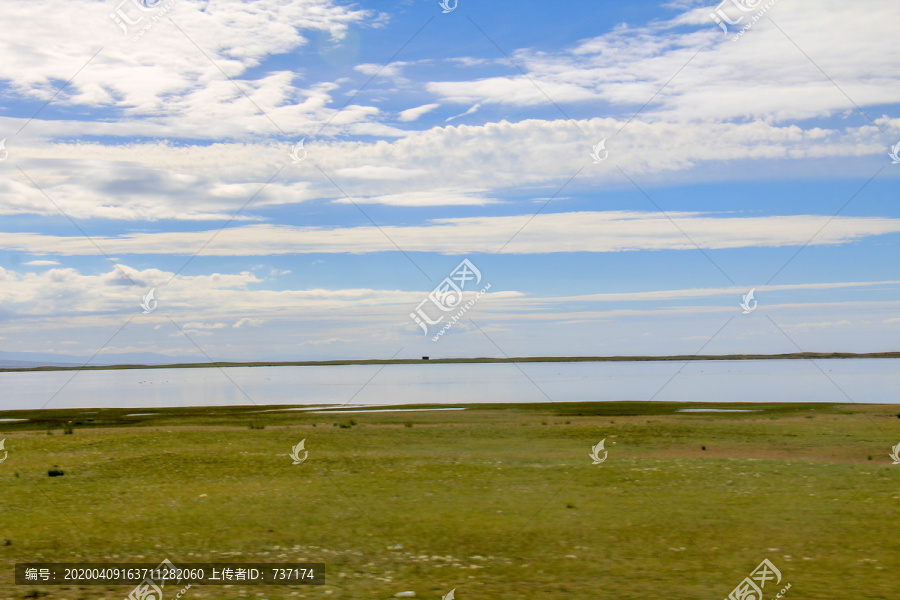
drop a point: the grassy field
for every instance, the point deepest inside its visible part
(498, 502)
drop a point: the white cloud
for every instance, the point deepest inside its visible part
(611, 231)
(426, 198)
(190, 333)
(325, 342)
(471, 110)
(155, 181)
(247, 322)
(149, 188)
(202, 303)
(69, 305)
(165, 76)
(814, 326)
(391, 70)
(698, 293)
(411, 114)
(382, 173)
(198, 325)
(155, 92)
(163, 87)
(763, 76)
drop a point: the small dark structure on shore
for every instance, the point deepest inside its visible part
(426, 358)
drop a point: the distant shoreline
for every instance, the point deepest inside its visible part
(410, 361)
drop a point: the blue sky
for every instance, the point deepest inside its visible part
(734, 163)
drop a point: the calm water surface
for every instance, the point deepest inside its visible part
(863, 380)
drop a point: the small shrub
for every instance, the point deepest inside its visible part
(870, 457)
(543, 422)
(256, 426)
(570, 505)
(568, 422)
(49, 432)
(408, 424)
(67, 429)
(55, 473)
(347, 424)
(703, 447)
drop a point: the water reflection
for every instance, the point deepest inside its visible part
(863, 380)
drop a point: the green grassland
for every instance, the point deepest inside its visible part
(496, 501)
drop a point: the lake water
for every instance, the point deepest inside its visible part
(863, 380)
